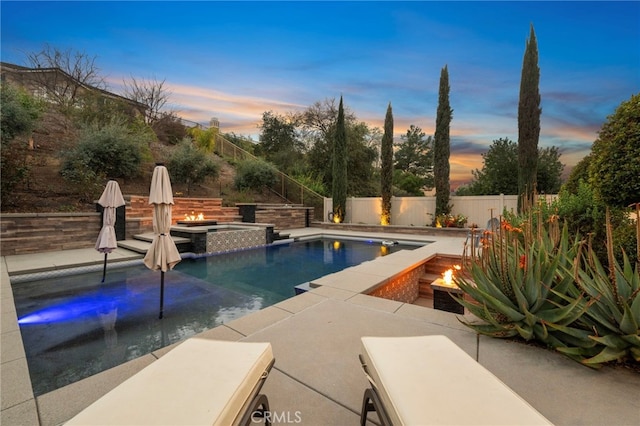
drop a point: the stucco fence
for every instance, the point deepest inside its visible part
(419, 211)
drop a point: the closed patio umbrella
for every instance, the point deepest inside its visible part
(110, 200)
(163, 253)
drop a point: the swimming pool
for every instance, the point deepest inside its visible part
(73, 326)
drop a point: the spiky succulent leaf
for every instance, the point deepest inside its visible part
(629, 324)
(525, 331)
(562, 313)
(612, 341)
(491, 330)
(579, 354)
(632, 339)
(572, 336)
(606, 355)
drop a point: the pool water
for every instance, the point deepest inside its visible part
(75, 326)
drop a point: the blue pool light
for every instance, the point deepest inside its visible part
(69, 310)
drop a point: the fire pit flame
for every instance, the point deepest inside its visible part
(194, 217)
(447, 276)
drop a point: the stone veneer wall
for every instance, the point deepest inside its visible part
(212, 208)
(24, 233)
(404, 288)
(285, 217)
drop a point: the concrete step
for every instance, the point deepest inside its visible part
(148, 237)
(428, 278)
(137, 246)
(141, 243)
(425, 290)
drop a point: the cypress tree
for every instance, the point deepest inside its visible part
(528, 124)
(441, 149)
(387, 167)
(339, 187)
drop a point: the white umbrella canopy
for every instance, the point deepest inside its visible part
(163, 254)
(110, 200)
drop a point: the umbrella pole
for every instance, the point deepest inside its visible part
(161, 293)
(104, 268)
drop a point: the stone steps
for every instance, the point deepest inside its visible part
(141, 243)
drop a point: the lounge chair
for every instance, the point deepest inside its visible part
(199, 382)
(428, 380)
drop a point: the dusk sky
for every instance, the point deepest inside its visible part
(236, 60)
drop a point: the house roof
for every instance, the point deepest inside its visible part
(26, 70)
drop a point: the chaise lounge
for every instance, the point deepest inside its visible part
(199, 382)
(428, 380)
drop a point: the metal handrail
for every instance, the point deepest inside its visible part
(285, 186)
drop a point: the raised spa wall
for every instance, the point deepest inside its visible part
(224, 238)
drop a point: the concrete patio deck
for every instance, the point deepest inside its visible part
(317, 379)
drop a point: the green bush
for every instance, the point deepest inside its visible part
(254, 174)
(110, 151)
(169, 129)
(19, 115)
(408, 183)
(312, 182)
(86, 182)
(585, 214)
(191, 165)
(204, 139)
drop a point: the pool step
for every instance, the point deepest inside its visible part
(141, 243)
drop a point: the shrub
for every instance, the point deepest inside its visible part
(408, 183)
(204, 139)
(110, 151)
(191, 165)
(169, 129)
(18, 116)
(254, 174)
(86, 182)
(312, 182)
(585, 214)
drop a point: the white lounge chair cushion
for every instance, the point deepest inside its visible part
(199, 382)
(428, 380)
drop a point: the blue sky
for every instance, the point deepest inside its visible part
(236, 60)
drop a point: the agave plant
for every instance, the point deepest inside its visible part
(520, 284)
(614, 317)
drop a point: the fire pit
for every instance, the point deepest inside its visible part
(196, 220)
(442, 289)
